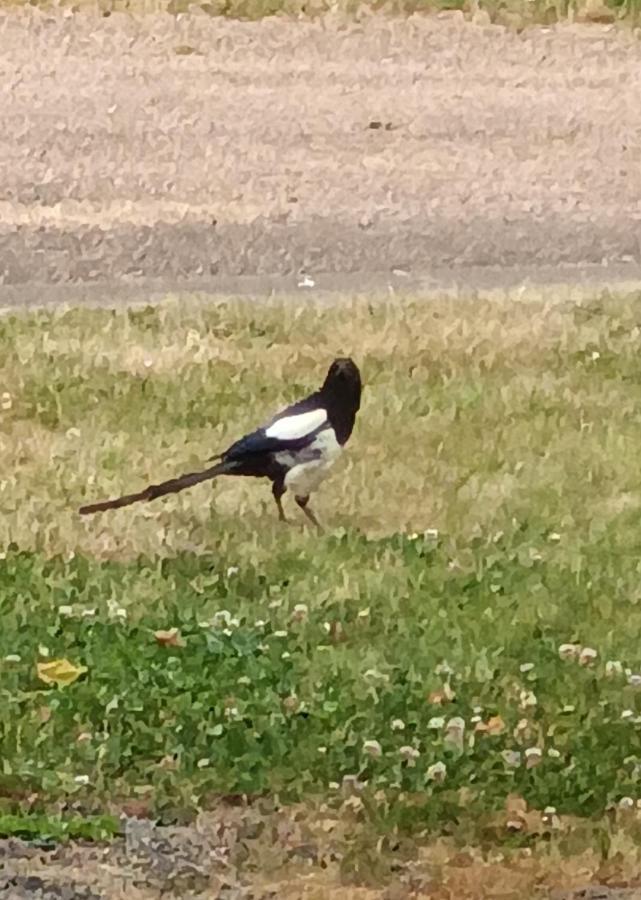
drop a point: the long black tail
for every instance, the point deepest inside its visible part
(159, 490)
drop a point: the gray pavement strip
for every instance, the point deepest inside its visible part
(552, 283)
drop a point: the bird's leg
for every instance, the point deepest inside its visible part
(302, 502)
(278, 489)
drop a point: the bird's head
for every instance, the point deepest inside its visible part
(343, 381)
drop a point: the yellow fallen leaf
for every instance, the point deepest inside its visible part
(60, 672)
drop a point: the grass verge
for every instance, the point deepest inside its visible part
(517, 14)
(460, 649)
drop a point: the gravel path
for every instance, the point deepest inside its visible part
(241, 856)
(137, 155)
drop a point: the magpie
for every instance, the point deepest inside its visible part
(295, 449)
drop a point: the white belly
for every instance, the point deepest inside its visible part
(305, 476)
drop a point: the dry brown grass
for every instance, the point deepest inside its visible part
(444, 438)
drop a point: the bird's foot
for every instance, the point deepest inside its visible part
(302, 502)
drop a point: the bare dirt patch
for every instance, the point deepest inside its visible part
(240, 853)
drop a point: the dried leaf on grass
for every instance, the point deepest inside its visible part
(60, 672)
(170, 638)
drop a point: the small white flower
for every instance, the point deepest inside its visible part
(81, 779)
(511, 758)
(223, 618)
(115, 611)
(43, 651)
(202, 763)
(476, 719)
(13, 658)
(279, 634)
(550, 810)
(372, 748)
(232, 570)
(232, 712)
(363, 613)
(554, 753)
(627, 714)
(374, 676)
(285, 655)
(300, 612)
(436, 723)
(595, 355)
(626, 803)
(244, 679)
(409, 754)
(533, 756)
(65, 610)
(587, 656)
(554, 536)
(322, 750)
(444, 668)
(413, 536)
(569, 651)
(568, 708)
(397, 725)
(527, 699)
(455, 732)
(634, 680)
(526, 667)
(260, 623)
(613, 667)
(437, 772)
(88, 613)
(352, 785)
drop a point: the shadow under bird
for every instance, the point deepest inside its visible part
(295, 450)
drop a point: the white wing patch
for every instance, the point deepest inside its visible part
(292, 427)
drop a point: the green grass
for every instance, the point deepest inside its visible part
(511, 13)
(487, 514)
(58, 829)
